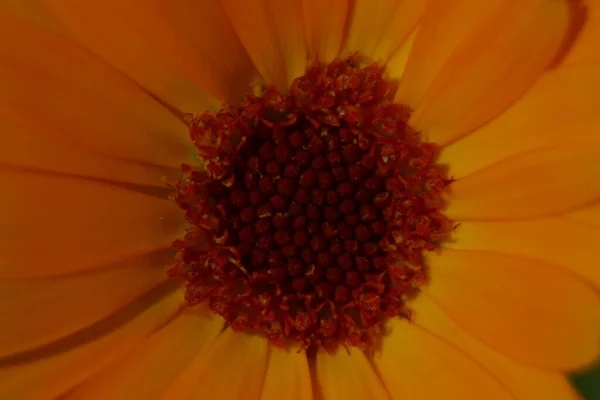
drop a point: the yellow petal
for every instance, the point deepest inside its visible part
(396, 66)
(42, 310)
(33, 10)
(543, 182)
(82, 100)
(55, 224)
(414, 364)
(325, 23)
(28, 144)
(444, 25)
(168, 47)
(287, 376)
(491, 68)
(150, 367)
(585, 48)
(558, 241)
(523, 382)
(232, 368)
(52, 371)
(377, 32)
(560, 108)
(526, 309)
(272, 32)
(590, 215)
(347, 374)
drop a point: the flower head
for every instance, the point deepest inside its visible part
(302, 199)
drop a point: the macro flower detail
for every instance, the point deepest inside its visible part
(311, 211)
(299, 199)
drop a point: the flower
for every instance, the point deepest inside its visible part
(93, 110)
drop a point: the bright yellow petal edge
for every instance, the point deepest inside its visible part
(90, 111)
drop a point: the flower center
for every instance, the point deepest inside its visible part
(312, 210)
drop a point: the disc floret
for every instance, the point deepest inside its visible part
(312, 210)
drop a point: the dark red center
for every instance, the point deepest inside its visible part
(310, 215)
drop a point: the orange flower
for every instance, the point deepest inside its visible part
(92, 105)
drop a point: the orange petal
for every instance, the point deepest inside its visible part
(287, 376)
(586, 47)
(523, 382)
(527, 309)
(444, 25)
(396, 66)
(404, 21)
(32, 10)
(83, 101)
(377, 32)
(273, 34)
(590, 215)
(55, 225)
(560, 108)
(415, 364)
(154, 363)
(42, 310)
(491, 68)
(348, 375)
(52, 371)
(27, 144)
(179, 50)
(325, 24)
(557, 241)
(539, 183)
(232, 368)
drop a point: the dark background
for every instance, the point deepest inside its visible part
(588, 383)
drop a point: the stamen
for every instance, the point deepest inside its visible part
(310, 216)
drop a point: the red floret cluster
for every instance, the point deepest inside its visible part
(311, 211)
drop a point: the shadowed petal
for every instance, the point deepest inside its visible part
(167, 46)
(54, 225)
(42, 310)
(348, 374)
(526, 309)
(558, 241)
(64, 365)
(589, 215)
(325, 24)
(414, 364)
(153, 364)
(82, 101)
(523, 382)
(444, 25)
(27, 144)
(272, 32)
(543, 182)
(561, 108)
(287, 376)
(586, 47)
(494, 65)
(378, 32)
(233, 367)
